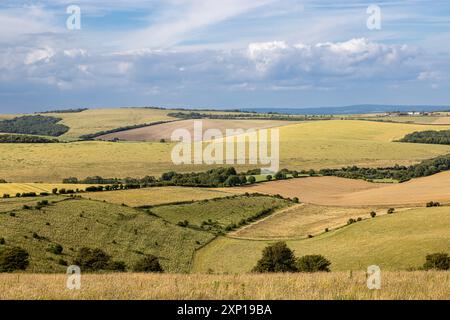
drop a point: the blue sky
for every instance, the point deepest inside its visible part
(223, 54)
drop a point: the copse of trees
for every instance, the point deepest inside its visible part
(437, 261)
(78, 110)
(400, 173)
(18, 138)
(430, 136)
(97, 260)
(37, 124)
(149, 263)
(13, 259)
(278, 257)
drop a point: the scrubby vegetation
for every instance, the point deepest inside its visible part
(437, 261)
(13, 259)
(66, 110)
(400, 173)
(97, 260)
(313, 263)
(39, 125)
(149, 263)
(430, 136)
(18, 138)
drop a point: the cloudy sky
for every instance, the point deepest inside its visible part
(224, 54)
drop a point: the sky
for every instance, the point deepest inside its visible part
(223, 54)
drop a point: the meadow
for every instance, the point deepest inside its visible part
(122, 232)
(394, 242)
(157, 195)
(323, 286)
(304, 146)
(220, 212)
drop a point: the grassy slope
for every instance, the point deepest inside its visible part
(394, 242)
(334, 286)
(304, 146)
(157, 196)
(224, 211)
(99, 225)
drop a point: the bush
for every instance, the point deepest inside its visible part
(119, 266)
(12, 259)
(295, 200)
(391, 211)
(433, 204)
(276, 258)
(251, 179)
(313, 263)
(351, 221)
(437, 261)
(56, 249)
(2, 241)
(92, 259)
(373, 214)
(149, 263)
(269, 177)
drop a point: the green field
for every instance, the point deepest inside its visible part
(393, 242)
(221, 212)
(318, 144)
(122, 232)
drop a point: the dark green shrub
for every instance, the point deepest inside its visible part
(62, 262)
(56, 249)
(295, 200)
(373, 214)
(251, 179)
(12, 214)
(118, 266)
(2, 241)
(269, 177)
(12, 259)
(276, 258)
(437, 261)
(351, 221)
(391, 211)
(433, 204)
(313, 263)
(149, 263)
(92, 259)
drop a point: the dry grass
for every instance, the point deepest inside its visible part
(164, 131)
(329, 286)
(156, 196)
(348, 192)
(13, 188)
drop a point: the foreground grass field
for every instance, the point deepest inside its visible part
(327, 286)
(394, 242)
(157, 196)
(124, 233)
(308, 145)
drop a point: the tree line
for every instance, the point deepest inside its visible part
(245, 116)
(36, 125)
(430, 137)
(19, 138)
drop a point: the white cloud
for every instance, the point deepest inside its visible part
(39, 55)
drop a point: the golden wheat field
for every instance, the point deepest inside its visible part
(13, 188)
(322, 286)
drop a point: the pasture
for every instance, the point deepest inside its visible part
(124, 233)
(394, 242)
(157, 195)
(322, 286)
(309, 145)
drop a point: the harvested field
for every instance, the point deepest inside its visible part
(336, 191)
(164, 131)
(301, 221)
(156, 196)
(442, 120)
(318, 286)
(13, 188)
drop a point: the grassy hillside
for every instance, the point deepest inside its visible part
(157, 196)
(329, 286)
(122, 232)
(221, 212)
(393, 242)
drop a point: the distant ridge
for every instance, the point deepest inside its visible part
(355, 109)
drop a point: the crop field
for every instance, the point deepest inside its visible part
(315, 145)
(157, 195)
(164, 131)
(347, 192)
(223, 211)
(13, 188)
(122, 232)
(394, 242)
(301, 221)
(329, 286)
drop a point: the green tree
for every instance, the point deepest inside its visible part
(149, 263)
(437, 261)
(12, 259)
(276, 258)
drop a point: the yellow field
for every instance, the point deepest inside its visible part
(13, 188)
(155, 196)
(95, 120)
(302, 220)
(323, 286)
(303, 146)
(394, 242)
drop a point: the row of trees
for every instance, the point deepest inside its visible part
(400, 173)
(245, 116)
(36, 124)
(18, 138)
(430, 136)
